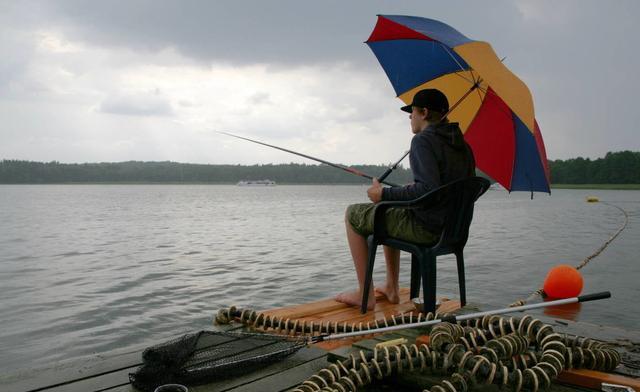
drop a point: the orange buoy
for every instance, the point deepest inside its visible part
(563, 281)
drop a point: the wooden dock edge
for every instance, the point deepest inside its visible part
(593, 379)
(110, 372)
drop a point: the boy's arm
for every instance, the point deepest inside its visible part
(424, 166)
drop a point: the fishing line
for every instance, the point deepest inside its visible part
(586, 260)
(336, 165)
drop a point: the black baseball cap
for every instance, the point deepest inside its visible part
(429, 98)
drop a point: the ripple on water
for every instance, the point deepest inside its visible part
(74, 253)
(23, 258)
(150, 261)
(120, 286)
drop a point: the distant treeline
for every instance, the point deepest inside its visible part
(615, 168)
(27, 172)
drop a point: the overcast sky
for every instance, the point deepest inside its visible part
(94, 81)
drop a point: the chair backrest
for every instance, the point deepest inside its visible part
(458, 198)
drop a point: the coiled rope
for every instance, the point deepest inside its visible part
(525, 354)
(540, 291)
(280, 325)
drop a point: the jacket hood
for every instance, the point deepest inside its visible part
(449, 133)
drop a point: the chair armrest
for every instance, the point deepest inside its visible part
(379, 229)
(429, 198)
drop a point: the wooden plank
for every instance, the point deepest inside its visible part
(287, 379)
(352, 314)
(241, 382)
(329, 313)
(332, 311)
(307, 310)
(334, 344)
(119, 379)
(106, 371)
(97, 383)
(411, 333)
(593, 379)
(312, 309)
(277, 377)
(62, 373)
(120, 388)
(408, 382)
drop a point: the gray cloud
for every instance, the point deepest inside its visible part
(576, 56)
(238, 32)
(260, 98)
(137, 105)
(276, 32)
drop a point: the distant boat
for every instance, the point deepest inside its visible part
(256, 183)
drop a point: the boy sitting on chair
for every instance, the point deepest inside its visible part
(438, 155)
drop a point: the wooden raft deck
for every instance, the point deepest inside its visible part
(110, 373)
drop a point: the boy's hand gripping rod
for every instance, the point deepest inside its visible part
(392, 167)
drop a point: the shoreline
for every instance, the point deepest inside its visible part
(553, 186)
(621, 187)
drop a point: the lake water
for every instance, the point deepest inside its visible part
(92, 268)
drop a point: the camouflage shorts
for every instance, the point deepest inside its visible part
(400, 224)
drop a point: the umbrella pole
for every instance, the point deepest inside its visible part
(455, 105)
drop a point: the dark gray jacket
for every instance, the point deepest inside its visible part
(439, 155)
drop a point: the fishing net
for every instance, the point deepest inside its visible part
(207, 356)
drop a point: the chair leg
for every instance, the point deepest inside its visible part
(414, 291)
(461, 279)
(428, 269)
(371, 257)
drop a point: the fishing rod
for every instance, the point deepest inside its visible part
(392, 167)
(336, 165)
(454, 319)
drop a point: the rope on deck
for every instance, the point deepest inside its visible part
(540, 291)
(289, 326)
(525, 354)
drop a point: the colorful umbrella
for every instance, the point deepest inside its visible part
(493, 107)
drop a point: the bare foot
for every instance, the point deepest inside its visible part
(393, 296)
(355, 298)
